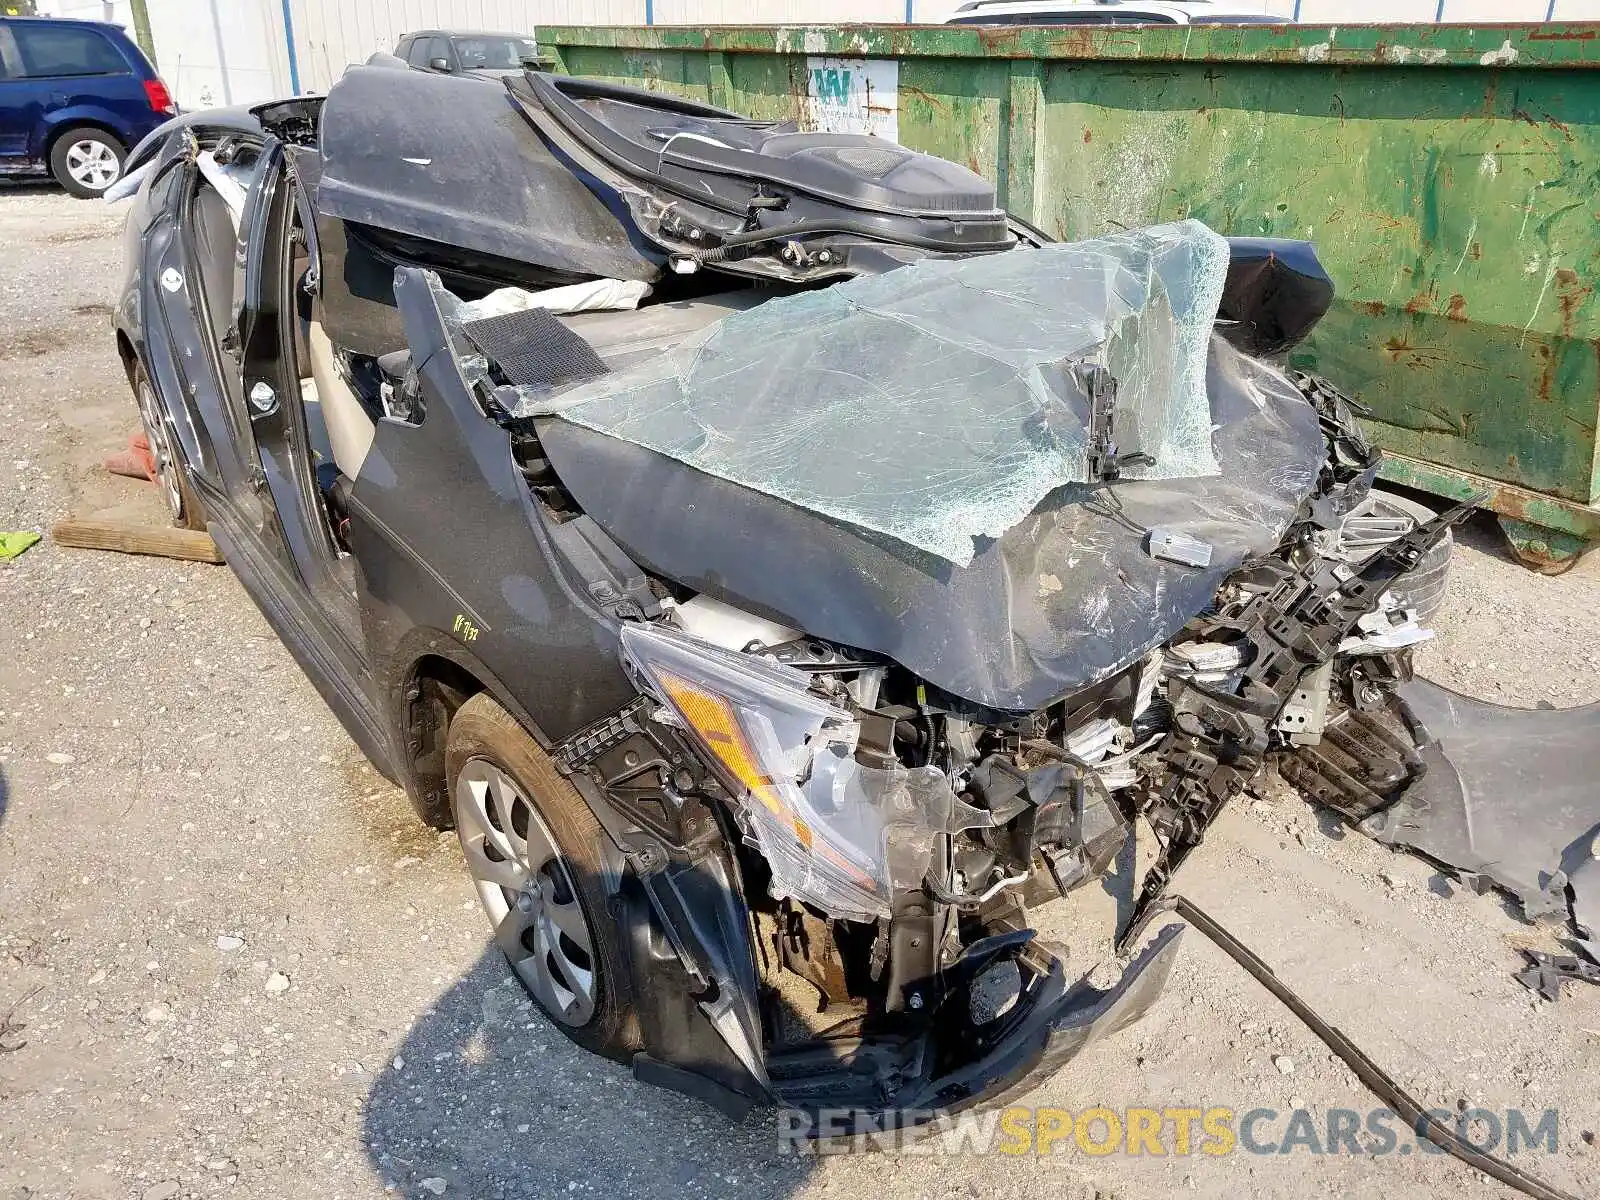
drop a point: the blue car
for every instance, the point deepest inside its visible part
(75, 97)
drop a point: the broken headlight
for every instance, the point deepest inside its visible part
(837, 835)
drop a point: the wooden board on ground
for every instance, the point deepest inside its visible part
(104, 531)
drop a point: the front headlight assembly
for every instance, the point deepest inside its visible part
(837, 835)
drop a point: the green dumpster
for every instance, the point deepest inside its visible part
(1449, 176)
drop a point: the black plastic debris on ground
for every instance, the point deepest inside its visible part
(1545, 973)
(1509, 794)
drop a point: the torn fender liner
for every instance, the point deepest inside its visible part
(942, 401)
(1063, 598)
(1510, 794)
(1061, 1022)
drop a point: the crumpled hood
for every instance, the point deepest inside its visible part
(1064, 598)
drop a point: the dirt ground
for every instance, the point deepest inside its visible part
(240, 966)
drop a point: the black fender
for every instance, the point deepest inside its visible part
(1510, 795)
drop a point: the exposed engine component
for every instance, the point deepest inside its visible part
(731, 628)
(1276, 665)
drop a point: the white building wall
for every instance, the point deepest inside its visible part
(235, 51)
(1363, 12)
(118, 12)
(1341, 12)
(214, 52)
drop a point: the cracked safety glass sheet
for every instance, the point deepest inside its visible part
(939, 402)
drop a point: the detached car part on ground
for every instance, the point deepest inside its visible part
(547, 424)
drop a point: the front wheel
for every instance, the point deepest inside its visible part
(86, 161)
(533, 849)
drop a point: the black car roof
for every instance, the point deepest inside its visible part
(455, 33)
(450, 159)
(236, 119)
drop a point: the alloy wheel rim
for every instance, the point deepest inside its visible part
(526, 890)
(92, 164)
(158, 434)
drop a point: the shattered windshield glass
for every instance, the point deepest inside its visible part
(942, 401)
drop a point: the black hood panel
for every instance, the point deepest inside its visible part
(1064, 598)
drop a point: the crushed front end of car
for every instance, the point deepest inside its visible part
(907, 755)
(938, 558)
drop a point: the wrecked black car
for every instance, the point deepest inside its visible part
(784, 569)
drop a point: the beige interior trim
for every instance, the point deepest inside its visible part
(350, 429)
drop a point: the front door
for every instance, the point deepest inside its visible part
(272, 333)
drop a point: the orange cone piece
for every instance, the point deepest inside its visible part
(136, 462)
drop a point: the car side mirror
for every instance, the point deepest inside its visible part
(439, 64)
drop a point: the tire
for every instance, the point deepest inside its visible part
(1422, 588)
(172, 471)
(1377, 521)
(86, 160)
(484, 739)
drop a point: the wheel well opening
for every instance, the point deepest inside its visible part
(126, 354)
(437, 690)
(56, 134)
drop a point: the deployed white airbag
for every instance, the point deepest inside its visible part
(597, 295)
(229, 188)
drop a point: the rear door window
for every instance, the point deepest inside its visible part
(10, 62)
(56, 51)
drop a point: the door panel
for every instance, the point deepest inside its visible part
(181, 276)
(272, 269)
(250, 488)
(449, 539)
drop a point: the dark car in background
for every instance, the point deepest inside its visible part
(469, 52)
(75, 97)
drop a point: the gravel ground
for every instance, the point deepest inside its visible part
(240, 966)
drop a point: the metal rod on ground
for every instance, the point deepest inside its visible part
(1378, 1081)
